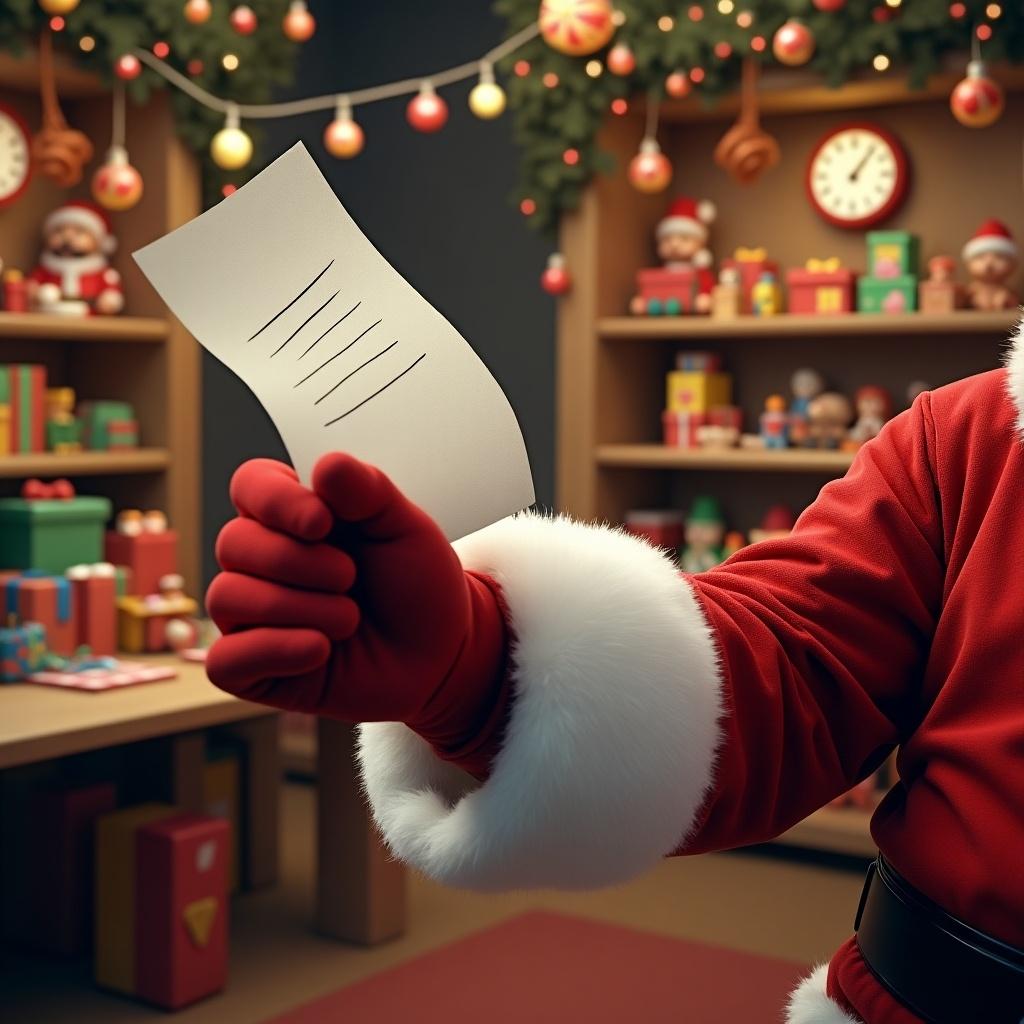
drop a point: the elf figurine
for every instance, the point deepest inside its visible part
(682, 236)
(705, 531)
(991, 258)
(74, 276)
(552, 704)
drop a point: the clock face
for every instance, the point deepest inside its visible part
(857, 176)
(15, 159)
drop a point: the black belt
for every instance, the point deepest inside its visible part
(944, 970)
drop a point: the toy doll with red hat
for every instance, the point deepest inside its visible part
(74, 276)
(991, 256)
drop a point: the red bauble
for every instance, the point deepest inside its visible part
(677, 85)
(117, 185)
(793, 44)
(343, 138)
(198, 11)
(298, 24)
(426, 111)
(650, 170)
(830, 6)
(127, 67)
(977, 100)
(243, 20)
(620, 60)
(556, 279)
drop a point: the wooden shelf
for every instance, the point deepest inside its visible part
(88, 328)
(884, 325)
(837, 830)
(136, 460)
(659, 456)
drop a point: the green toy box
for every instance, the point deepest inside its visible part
(888, 295)
(52, 534)
(892, 254)
(97, 418)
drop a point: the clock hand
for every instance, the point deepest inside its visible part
(855, 173)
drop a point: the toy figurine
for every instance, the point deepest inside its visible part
(727, 295)
(74, 276)
(766, 295)
(940, 293)
(775, 422)
(734, 541)
(705, 531)
(805, 385)
(874, 407)
(829, 415)
(991, 258)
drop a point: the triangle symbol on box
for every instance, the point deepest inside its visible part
(199, 917)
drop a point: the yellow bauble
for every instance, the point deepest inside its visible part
(343, 138)
(231, 149)
(487, 100)
(576, 27)
(59, 6)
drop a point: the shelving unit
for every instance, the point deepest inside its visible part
(146, 357)
(611, 367)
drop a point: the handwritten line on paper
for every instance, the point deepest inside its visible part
(356, 370)
(303, 324)
(376, 393)
(331, 328)
(341, 353)
(292, 303)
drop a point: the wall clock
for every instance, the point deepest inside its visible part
(858, 175)
(15, 156)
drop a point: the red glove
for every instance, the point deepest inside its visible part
(348, 601)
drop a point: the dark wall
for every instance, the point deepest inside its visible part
(436, 206)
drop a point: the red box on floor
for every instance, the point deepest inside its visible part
(94, 593)
(181, 926)
(60, 865)
(148, 555)
(38, 597)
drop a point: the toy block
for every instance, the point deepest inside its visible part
(142, 621)
(939, 296)
(890, 295)
(892, 254)
(697, 392)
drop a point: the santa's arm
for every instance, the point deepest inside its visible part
(652, 713)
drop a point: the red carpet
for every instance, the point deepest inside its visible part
(544, 967)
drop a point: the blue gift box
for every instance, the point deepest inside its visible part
(22, 651)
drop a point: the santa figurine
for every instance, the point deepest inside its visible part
(991, 258)
(74, 276)
(682, 236)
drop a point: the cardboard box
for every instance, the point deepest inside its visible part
(181, 913)
(696, 392)
(94, 592)
(893, 295)
(23, 388)
(148, 555)
(22, 650)
(35, 596)
(51, 534)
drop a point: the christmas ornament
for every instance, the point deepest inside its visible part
(243, 20)
(977, 100)
(793, 43)
(745, 151)
(231, 148)
(556, 280)
(650, 170)
(58, 6)
(161, 49)
(620, 60)
(426, 111)
(298, 25)
(576, 27)
(198, 11)
(127, 67)
(677, 85)
(487, 99)
(59, 152)
(343, 138)
(117, 185)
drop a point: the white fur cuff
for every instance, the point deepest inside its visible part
(610, 748)
(810, 1004)
(1015, 372)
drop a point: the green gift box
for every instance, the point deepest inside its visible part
(887, 295)
(52, 534)
(97, 418)
(892, 254)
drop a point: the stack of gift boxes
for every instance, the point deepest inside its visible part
(891, 282)
(698, 399)
(35, 418)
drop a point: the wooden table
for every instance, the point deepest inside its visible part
(361, 893)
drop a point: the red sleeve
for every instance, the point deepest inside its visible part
(822, 638)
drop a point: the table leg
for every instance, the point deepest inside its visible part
(360, 888)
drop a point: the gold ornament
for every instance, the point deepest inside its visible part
(298, 24)
(58, 7)
(343, 138)
(197, 12)
(487, 98)
(576, 27)
(231, 148)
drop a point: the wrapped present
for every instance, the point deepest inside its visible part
(94, 592)
(23, 388)
(680, 429)
(892, 295)
(749, 265)
(96, 419)
(821, 286)
(698, 362)
(5, 429)
(693, 391)
(149, 555)
(670, 291)
(22, 650)
(892, 254)
(142, 621)
(662, 527)
(181, 910)
(122, 434)
(52, 534)
(35, 596)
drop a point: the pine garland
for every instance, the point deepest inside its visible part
(916, 36)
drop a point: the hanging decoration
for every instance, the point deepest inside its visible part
(830, 6)
(343, 138)
(58, 8)
(298, 24)
(977, 100)
(243, 20)
(556, 279)
(677, 85)
(650, 170)
(746, 151)
(117, 185)
(793, 43)
(231, 148)
(621, 60)
(197, 12)
(487, 98)
(426, 111)
(576, 27)
(127, 67)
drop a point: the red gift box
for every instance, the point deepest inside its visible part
(821, 287)
(664, 528)
(148, 555)
(38, 597)
(662, 285)
(181, 926)
(679, 429)
(94, 593)
(750, 264)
